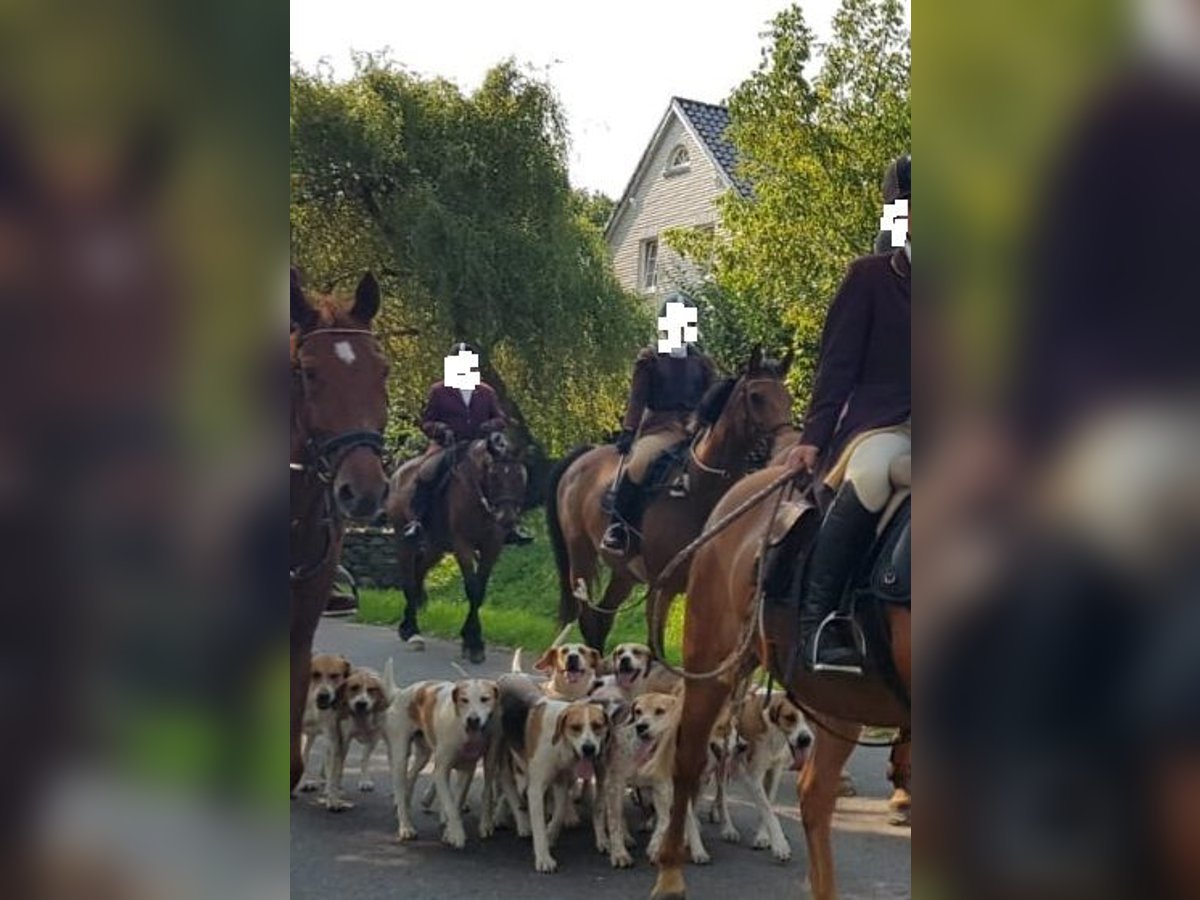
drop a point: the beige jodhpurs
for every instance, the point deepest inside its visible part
(866, 463)
(648, 447)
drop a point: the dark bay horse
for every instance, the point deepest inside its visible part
(470, 518)
(734, 418)
(338, 412)
(721, 606)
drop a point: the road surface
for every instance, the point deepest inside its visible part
(353, 856)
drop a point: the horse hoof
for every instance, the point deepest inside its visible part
(474, 654)
(416, 643)
(407, 632)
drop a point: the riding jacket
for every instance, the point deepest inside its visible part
(666, 388)
(445, 408)
(863, 372)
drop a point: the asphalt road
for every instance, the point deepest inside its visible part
(353, 854)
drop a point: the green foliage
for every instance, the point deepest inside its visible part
(815, 151)
(462, 205)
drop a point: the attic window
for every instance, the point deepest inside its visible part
(679, 161)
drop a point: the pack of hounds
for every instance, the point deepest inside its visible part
(585, 733)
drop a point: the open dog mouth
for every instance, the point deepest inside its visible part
(473, 747)
(626, 677)
(799, 757)
(574, 676)
(585, 768)
(645, 747)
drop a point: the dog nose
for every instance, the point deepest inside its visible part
(643, 727)
(804, 740)
(624, 665)
(473, 722)
(588, 750)
(324, 701)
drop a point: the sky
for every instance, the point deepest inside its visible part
(615, 65)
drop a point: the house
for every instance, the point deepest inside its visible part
(686, 166)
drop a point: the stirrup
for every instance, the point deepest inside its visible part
(860, 642)
(610, 542)
(680, 486)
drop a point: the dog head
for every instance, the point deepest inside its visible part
(630, 662)
(474, 703)
(583, 725)
(783, 715)
(572, 666)
(329, 673)
(362, 693)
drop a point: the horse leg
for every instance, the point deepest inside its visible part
(900, 775)
(818, 789)
(594, 624)
(702, 703)
(412, 583)
(475, 578)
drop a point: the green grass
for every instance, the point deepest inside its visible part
(521, 608)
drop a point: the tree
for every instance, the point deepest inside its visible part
(815, 152)
(462, 205)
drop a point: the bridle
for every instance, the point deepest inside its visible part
(757, 432)
(491, 505)
(322, 458)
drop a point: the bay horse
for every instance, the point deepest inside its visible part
(734, 417)
(721, 606)
(338, 413)
(470, 518)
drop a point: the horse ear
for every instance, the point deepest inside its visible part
(756, 357)
(366, 299)
(303, 315)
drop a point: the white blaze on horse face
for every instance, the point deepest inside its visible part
(461, 370)
(344, 352)
(678, 324)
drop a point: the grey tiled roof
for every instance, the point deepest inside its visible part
(710, 122)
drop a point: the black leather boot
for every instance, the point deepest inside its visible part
(831, 642)
(419, 507)
(620, 538)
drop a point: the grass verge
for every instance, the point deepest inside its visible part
(521, 608)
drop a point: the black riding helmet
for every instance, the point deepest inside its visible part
(897, 180)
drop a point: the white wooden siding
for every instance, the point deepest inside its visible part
(679, 200)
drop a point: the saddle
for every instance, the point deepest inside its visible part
(884, 577)
(661, 475)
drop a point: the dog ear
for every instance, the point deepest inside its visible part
(346, 667)
(546, 660)
(455, 695)
(339, 696)
(559, 727)
(649, 664)
(775, 710)
(379, 701)
(594, 656)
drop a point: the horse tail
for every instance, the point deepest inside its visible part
(568, 606)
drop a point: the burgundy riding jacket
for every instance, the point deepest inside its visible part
(445, 407)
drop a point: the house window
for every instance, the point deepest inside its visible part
(679, 161)
(649, 264)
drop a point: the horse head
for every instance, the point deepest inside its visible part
(339, 395)
(501, 477)
(753, 405)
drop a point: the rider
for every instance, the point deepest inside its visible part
(858, 423)
(453, 414)
(667, 388)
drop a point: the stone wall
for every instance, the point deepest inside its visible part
(370, 555)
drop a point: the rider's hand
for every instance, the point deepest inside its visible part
(625, 441)
(803, 458)
(446, 436)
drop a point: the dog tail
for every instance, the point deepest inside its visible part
(390, 688)
(568, 604)
(516, 663)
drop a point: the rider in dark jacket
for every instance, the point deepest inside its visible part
(666, 389)
(858, 423)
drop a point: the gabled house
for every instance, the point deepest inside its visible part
(686, 166)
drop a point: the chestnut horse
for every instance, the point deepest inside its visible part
(339, 409)
(721, 607)
(469, 518)
(734, 417)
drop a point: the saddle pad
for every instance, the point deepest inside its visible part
(661, 471)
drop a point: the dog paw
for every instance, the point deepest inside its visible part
(546, 864)
(782, 853)
(762, 841)
(366, 785)
(337, 804)
(652, 851)
(406, 833)
(700, 857)
(308, 786)
(486, 830)
(621, 860)
(731, 835)
(455, 836)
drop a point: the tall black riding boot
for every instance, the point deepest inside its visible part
(830, 644)
(419, 507)
(620, 538)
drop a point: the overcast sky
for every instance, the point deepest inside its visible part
(615, 65)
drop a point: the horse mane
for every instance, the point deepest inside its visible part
(714, 400)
